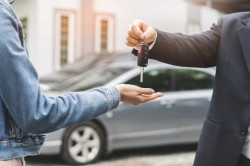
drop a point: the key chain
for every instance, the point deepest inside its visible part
(143, 55)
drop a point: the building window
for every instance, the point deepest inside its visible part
(194, 20)
(64, 38)
(24, 22)
(104, 35)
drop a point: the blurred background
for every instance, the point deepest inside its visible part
(80, 44)
(60, 32)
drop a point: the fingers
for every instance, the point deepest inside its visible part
(132, 40)
(146, 91)
(137, 28)
(158, 94)
(138, 31)
(130, 44)
(146, 98)
(154, 96)
(132, 34)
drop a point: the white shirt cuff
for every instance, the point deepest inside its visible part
(152, 45)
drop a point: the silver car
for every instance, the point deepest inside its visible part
(173, 119)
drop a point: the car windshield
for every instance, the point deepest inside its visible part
(91, 79)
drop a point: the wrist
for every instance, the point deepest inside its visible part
(120, 90)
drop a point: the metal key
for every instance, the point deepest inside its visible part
(142, 72)
(143, 55)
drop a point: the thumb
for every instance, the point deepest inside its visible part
(149, 35)
(145, 29)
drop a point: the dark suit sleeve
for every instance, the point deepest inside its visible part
(187, 50)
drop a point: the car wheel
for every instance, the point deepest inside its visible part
(83, 144)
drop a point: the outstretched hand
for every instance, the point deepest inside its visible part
(135, 95)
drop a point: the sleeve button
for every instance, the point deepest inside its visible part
(243, 132)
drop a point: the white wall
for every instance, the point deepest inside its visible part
(209, 16)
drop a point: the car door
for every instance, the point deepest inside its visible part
(191, 102)
(150, 123)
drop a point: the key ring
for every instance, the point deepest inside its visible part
(146, 38)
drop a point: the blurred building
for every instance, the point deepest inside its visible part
(60, 32)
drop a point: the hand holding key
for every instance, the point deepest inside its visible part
(138, 31)
(139, 35)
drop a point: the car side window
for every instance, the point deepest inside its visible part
(159, 80)
(193, 80)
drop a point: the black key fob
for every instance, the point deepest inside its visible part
(143, 55)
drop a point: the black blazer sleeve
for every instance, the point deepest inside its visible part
(187, 50)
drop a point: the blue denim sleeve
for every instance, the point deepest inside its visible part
(23, 98)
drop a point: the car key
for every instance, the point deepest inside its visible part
(143, 55)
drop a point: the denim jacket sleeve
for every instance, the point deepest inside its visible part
(20, 91)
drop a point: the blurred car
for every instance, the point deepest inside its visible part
(176, 118)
